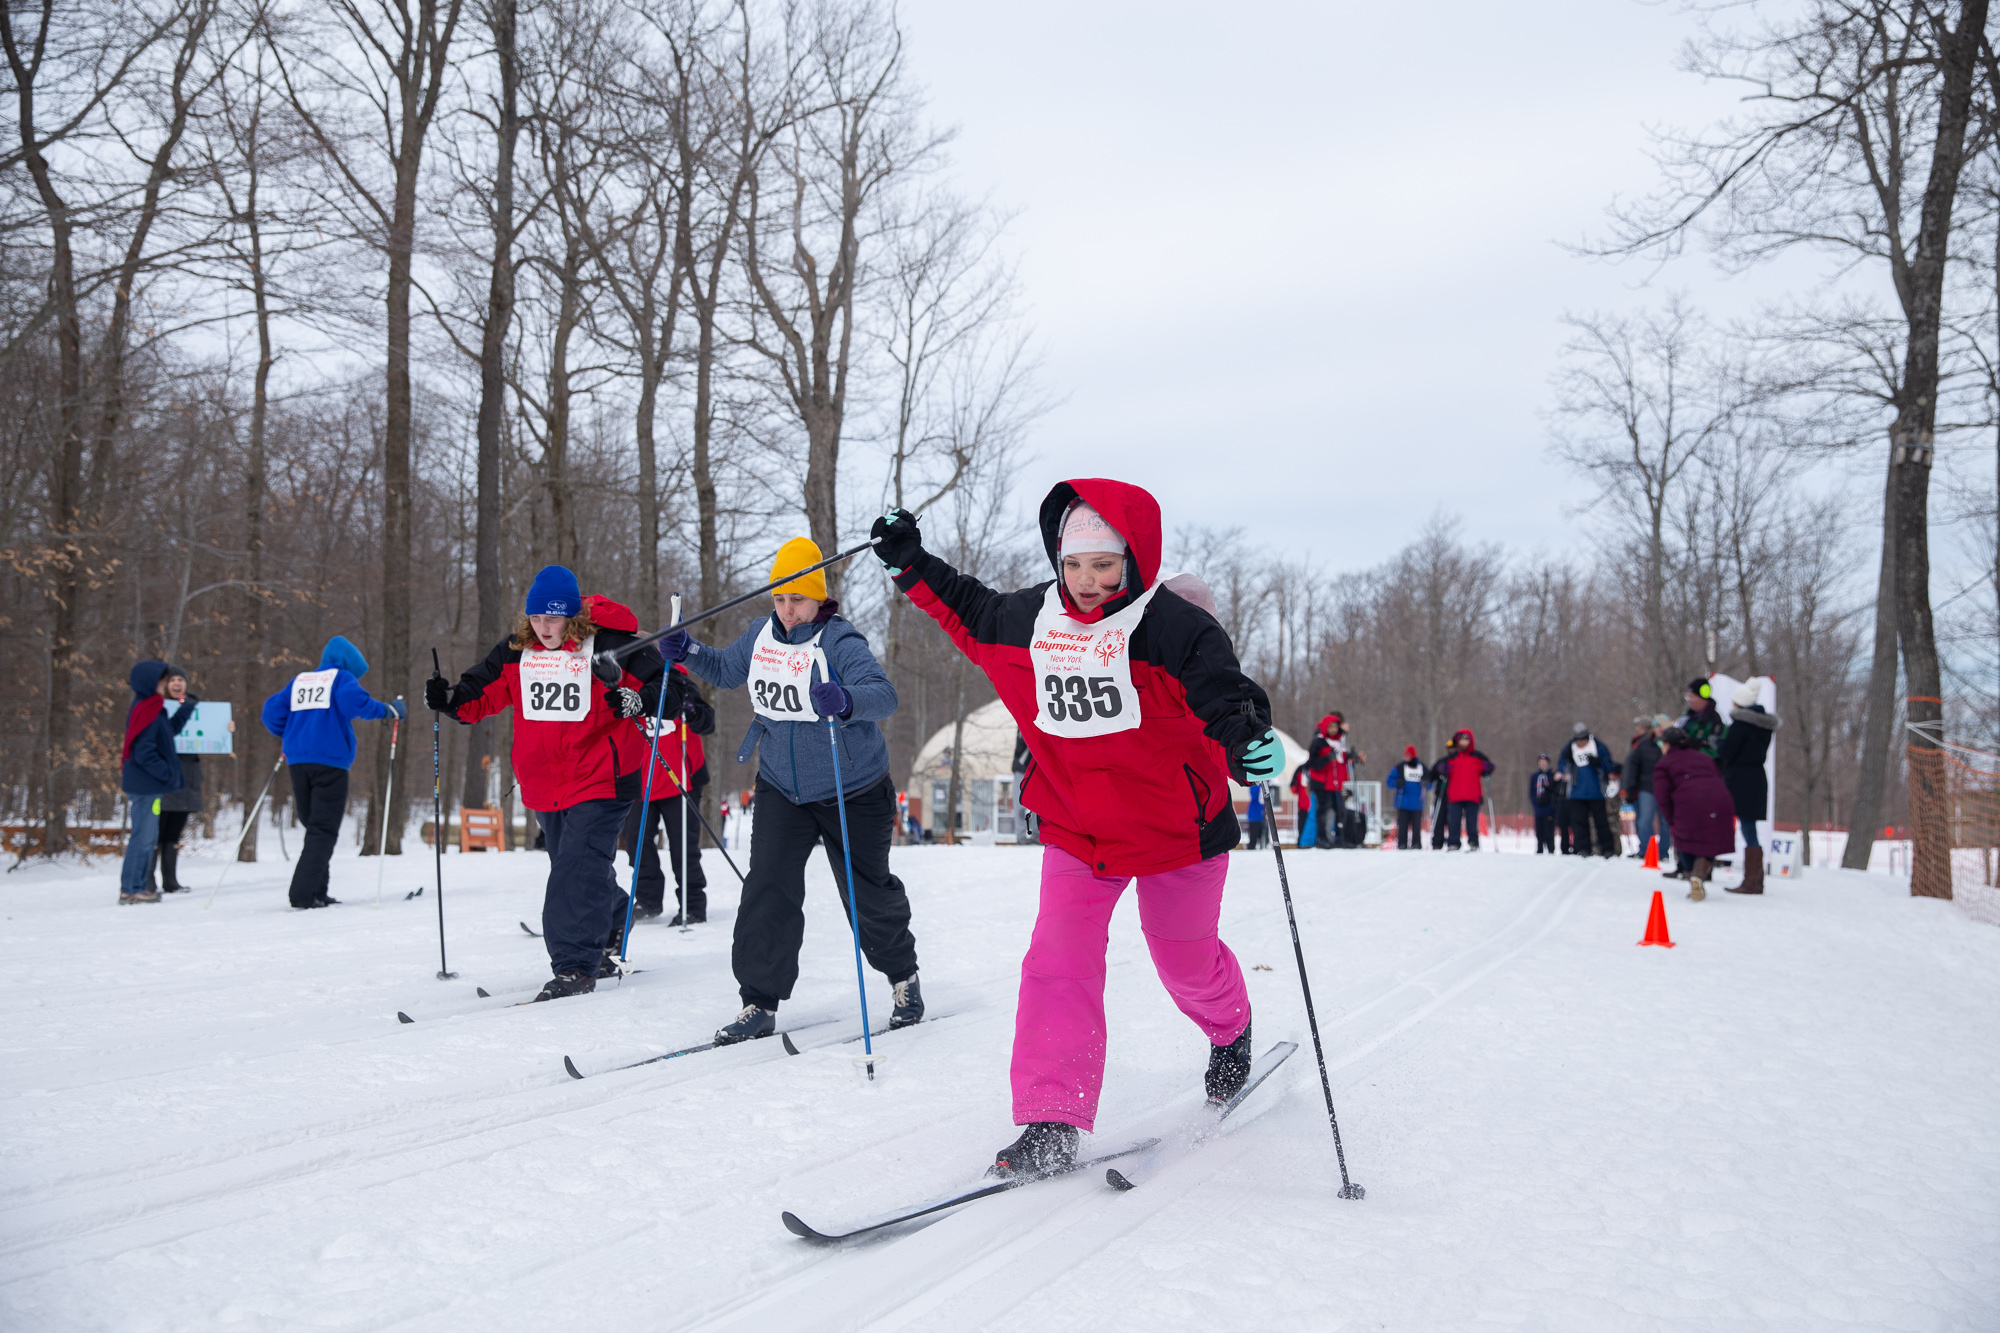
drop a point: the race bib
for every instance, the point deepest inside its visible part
(313, 689)
(781, 678)
(1084, 672)
(556, 685)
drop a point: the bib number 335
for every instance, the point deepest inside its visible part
(1080, 698)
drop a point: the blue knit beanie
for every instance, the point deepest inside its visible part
(554, 593)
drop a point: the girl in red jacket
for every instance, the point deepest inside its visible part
(577, 756)
(1464, 771)
(1136, 715)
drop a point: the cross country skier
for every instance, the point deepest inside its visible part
(577, 757)
(783, 658)
(673, 811)
(314, 716)
(1137, 716)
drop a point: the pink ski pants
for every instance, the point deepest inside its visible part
(1059, 1026)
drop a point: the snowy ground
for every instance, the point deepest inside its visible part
(214, 1120)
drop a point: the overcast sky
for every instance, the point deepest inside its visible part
(1295, 266)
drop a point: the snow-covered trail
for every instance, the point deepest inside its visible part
(214, 1119)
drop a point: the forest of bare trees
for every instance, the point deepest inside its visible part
(346, 317)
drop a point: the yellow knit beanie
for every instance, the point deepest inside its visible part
(798, 553)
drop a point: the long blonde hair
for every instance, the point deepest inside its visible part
(579, 628)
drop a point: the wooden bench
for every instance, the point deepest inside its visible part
(91, 839)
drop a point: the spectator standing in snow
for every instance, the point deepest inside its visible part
(1254, 817)
(176, 806)
(1465, 771)
(1406, 788)
(1302, 798)
(1587, 766)
(1697, 805)
(1329, 766)
(1542, 800)
(149, 769)
(1741, 758)
(1702, 723)
(314, 717)
(1640, 761)
(1139, 716)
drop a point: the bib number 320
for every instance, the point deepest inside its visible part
(772, 697)
(1079, 698)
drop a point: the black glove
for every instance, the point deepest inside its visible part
(900, 542)
(437, 694)
(624, 702)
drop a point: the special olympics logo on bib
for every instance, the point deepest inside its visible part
(1112, 645)
(798, 663)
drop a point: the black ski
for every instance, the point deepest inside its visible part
(785, 1037)
(484, 994)
(805, 1232)
(1263, 1069)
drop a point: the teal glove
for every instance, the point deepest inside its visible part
(1263, 758)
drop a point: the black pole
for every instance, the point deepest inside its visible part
(1348, 1189)
(613, 656)
(437, 823)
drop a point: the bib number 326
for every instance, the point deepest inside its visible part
(551, 696)
(1080, 698)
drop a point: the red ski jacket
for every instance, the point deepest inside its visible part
(1465, 771)
(561, 764)
(1138, 802)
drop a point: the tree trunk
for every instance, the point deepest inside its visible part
(1911, 441)
(492, 614)
(1865, 815)
(249, 761)
(396, 477)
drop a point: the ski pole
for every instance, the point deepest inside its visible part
(687, 803)
(847, 856)
(700, 818)
(248, 824)
(610, 657)
(1348, 1189)
(437, 821)
(645, 805)
(388, 790)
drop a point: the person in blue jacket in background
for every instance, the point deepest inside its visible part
(314, 715)
(1588, 766)
(1406, 786)
(148, 769)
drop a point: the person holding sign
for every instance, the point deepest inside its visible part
(176, 806)
(804, 664)
(149, 770)
(314, 717)
(1137, 715)
(577, 757)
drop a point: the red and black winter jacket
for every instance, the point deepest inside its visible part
(1139, 802)
(1463, 772)
(561, 764)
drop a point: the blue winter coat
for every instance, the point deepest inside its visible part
(1408, 790)
(1541, 791)
(326, 735)
(795, 757)
(153, 768)
(1591, 781)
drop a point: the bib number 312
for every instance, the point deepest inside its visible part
(1079, 698)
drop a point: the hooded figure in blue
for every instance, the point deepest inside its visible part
(149, 768)
(314, 716)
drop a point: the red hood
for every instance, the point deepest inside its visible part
(1470, 739)
(607, 614)
(1330, 724)
(1128, 508)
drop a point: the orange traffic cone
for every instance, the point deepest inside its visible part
(1656, 923)
(1653, 852)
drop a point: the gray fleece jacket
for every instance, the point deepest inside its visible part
(795, 756)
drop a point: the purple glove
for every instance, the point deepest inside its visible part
(676, 646)
(831, 700)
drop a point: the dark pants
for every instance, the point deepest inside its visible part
(1583, 816)
(583, 909)
(679, 819)
(1545, 833)
(1409, 830)
(1563, 834)
(1258, 832)
(1465, 814)
(771, 923)
(320, 792)
(1326, 816)
(1438, 823)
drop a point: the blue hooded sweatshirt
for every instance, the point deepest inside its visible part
(151, 767)
(325, 735)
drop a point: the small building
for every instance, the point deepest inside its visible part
(987, 811)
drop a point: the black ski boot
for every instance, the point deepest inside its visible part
(1044, 1148)
(1228, 1066)
(324, 901)
(697, 919)
(753, 1022)
(647, 911)
(565, 984)
(908, 998)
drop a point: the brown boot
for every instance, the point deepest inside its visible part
(1698, 879)
(1753, 872)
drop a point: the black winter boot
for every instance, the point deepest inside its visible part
(1044, 1148)
(1228, 1067)
(753, 1022)
(608, 966)
(908, 998)
(170, 870)
(565, 984)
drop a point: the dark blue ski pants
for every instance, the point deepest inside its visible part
(583, 904)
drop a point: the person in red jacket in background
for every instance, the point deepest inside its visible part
(1136, 716)
(670, 809)
(1464, 770)
(1329, 765)
(577, 757)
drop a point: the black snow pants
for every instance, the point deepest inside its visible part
(583, 909)
(320, 792)
(771, 923)
(1582, 816)
(1545, 833)
(1464, 813)
(1409, 830)
(678, 818)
